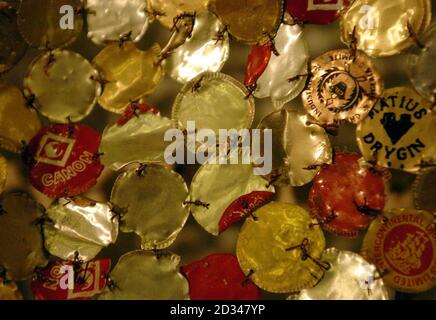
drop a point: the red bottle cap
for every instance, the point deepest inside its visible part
(257, 62)
(316, 11)
(347, 195)
(219, 277)
(67, 280)
(242, 207)
(63, 160)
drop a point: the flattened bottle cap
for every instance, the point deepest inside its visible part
(402, 244)
(219, 277)
(63, 160)
(316, 11)
(12, 45)
(279, 248)
(9, 291)
(421, 66)
(281, 79)
(79, 228)
(257, 62)
(350, 277)
(3, 173)
(424, 189)
(166, 11)
(21, 244)
(141, 275)
(41, 23)
(18, 123)
(206, 50)
(128, 74)
(137, 138)
(253, 22)
(63, 84)
(234, 193)
(289, 130)
(112, 19)
(89, 279)
(381, 27)
(152, 203)
(342, 87)
(214, 101)
(399, 131)
(358, 197)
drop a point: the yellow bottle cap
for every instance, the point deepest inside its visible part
(128, 74)
(279, 247)
(18, 123)
(399, 131)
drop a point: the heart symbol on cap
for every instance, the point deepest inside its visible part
(396, 129)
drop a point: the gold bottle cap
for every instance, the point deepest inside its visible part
(9, 291)
(251, 22)
(424, 190)
(343, 87)
(142, 275)
(399, 131)
(230, 183)
(40, 24)
(18, 123)
(12, 45)
(79, 228)
(279, 247)
(350, 277)
(402, 244)
(140, 139)
(110, 20)
(421, 66)
(151, 204)
(63, 84)
(290, 129)
(203, 99)
(21, 243)
(206, 50)
(166, 11)
(381, 27)
(3, 173)
(128, 74)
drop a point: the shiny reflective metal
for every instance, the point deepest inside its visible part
(274, 246)
(141, 139)
(382, 27)
(12, 45)
(350, 277)
(299, 146)
(218, 186)
(251, 22)
(110, 20)
(21, 243)
(206, 50)
(214, 101)
(18, 122)
(79, 228)
(151, 201)
(167, 11)
(64, 85)
(142, 275)
(421, 65)
(285, 76)
(128, 74)
(39, 23)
